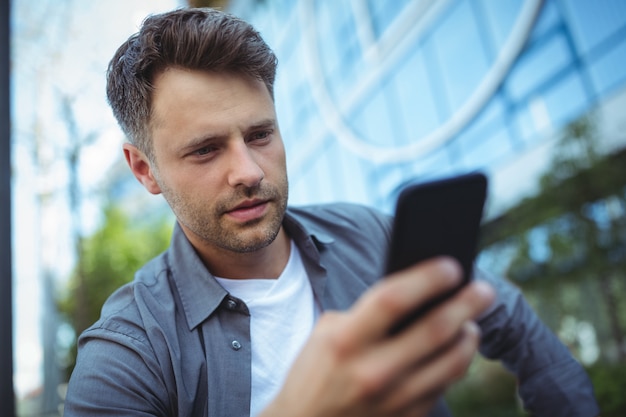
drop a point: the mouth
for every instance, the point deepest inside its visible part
(248, 210)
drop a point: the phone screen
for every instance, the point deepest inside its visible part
(436, 218)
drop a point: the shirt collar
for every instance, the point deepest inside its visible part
(301, 229)
(200, 293)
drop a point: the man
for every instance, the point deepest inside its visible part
(260, 309)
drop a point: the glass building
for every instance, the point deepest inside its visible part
(374, 94)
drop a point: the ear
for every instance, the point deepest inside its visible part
(142, 169)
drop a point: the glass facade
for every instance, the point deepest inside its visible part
(374, 94)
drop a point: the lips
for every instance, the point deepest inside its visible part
(248, 210)
(248, 204)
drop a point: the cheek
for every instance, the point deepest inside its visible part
(278, 158)
(185, 185)
(275, 169)
(195, 177)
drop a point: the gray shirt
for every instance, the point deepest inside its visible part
(174, 343)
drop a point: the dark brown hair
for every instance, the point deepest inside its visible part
(192, 38)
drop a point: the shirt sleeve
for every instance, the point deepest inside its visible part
(551, 382)
(115, 376)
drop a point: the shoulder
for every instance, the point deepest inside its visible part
(350, 231)
(351, 241)
(120, 361)
(342, 216)
(122, 313)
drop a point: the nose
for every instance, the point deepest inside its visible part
(243, 167)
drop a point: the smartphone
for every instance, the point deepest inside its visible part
(440, 217)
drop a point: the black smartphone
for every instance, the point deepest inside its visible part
(440, 217)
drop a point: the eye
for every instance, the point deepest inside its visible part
(260, 135)
(205, 150)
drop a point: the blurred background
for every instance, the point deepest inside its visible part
(371, 95)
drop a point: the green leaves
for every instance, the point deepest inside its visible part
(109, 258)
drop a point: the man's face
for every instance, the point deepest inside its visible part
(219, 159)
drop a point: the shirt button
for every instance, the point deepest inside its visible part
(231, 304)
(236, 345)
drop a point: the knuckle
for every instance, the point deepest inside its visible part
(386, 300)
(368, 382)
(441, 329)
(335, 334)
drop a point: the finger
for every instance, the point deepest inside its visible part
(442, 324)
(427, 337)
(393, 298)
(428, 381)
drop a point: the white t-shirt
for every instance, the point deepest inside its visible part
(282, 314)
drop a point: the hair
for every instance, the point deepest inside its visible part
(191, 38)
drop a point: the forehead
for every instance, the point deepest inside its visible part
(182, 86)
(190, 103)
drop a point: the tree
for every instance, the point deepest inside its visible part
(566, 248)
(570, 238)
(109, 259)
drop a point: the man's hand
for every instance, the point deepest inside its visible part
(352, 366)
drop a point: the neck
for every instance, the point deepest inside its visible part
(268, 262)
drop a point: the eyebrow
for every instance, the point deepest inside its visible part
(200, 141)
(262, 124)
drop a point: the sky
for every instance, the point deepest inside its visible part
(60, 50)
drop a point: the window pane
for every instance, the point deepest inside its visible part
(593, 21)
(608, 71)
(462, 59)
(501, 16)
(537, 66)
(384, 13)
(566, 100)
(415, 106)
